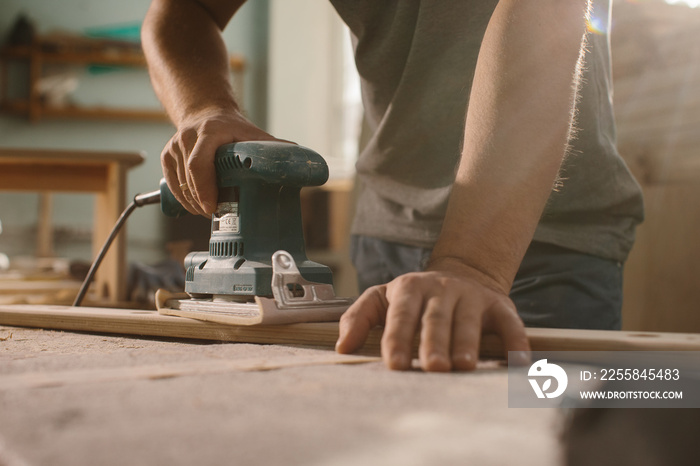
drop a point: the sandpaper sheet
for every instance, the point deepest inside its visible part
(262, 311)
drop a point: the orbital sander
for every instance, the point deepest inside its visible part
(256, 270)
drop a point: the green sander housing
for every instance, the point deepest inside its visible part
(258, 213)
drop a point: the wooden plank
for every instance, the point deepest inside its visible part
(323, 335)
(150, 323)
(19, 286)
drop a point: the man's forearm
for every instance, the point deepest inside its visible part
(187, 57)
(188, 63)
(517, 129)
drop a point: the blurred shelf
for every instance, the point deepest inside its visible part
(21, 107)
(107, 57)
(82, 52)
(126, 57)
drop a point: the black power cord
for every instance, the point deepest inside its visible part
(139, 200)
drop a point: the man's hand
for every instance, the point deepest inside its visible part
(188, 158)
(449, 306)
(188, 64)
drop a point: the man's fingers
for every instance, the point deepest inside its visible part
(174, 173)
(466, 336)
(402, 318)
(187, 139)
(201, 163)
(366, 313)
(436, 334)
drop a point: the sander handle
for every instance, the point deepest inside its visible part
(168, 204)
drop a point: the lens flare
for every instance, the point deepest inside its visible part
(690, 3)
(596, 25)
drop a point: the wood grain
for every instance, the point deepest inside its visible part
(322, 335)
(43, 379)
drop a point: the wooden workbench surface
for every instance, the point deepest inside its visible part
(71, 398)
(178, 391)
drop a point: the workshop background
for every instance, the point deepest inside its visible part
(96, 396)
(294, 75)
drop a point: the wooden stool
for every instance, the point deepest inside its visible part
(103, 173)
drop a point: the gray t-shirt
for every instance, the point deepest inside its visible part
(416, 60)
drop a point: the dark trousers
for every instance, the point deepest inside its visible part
(554, 287)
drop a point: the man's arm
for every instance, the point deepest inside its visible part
(517, 129)
(188, 64)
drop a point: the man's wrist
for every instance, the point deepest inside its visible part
(211, 108)
(490, 278)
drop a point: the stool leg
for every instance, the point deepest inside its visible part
(110, 281)
(44, 239)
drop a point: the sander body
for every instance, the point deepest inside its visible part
(257, 256)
